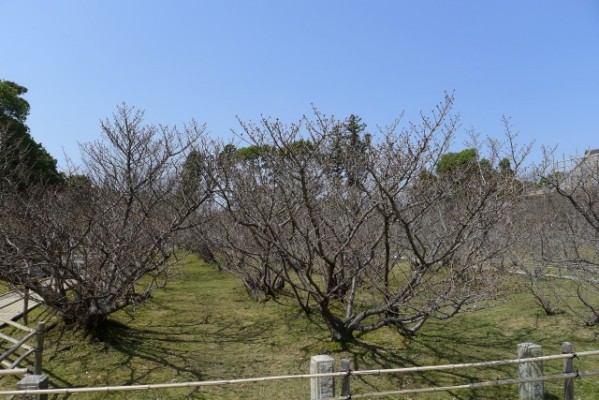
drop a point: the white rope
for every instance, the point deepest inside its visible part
(107, 389)
(475, 385)
(475, 364)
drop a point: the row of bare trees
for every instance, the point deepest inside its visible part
(105, 239)
(369, 236)
(362, 231)
(558, 236)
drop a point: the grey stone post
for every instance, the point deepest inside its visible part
(322, 388)
(32, 382)
(533, 369)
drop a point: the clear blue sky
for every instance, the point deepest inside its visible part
(536, 61)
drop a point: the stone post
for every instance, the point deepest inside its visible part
(32, 382)
(532, 369)
(322, 388)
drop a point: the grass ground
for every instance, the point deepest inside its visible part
(204, 327)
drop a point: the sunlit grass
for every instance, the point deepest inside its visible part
(203, 326)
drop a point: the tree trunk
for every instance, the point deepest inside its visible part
(87, 321)
(340, 331)
(341, 334)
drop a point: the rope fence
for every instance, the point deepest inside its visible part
(322, 377)
(470, 365)
(469, 386)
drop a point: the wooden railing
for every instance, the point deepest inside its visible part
(21, 349)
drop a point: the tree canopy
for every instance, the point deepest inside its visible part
(452, 161)
(105, 239)
(365, 233)
(347, 229)
(23, 161)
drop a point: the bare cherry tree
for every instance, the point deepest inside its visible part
(560, 249)
(369, 236)
(107, 238)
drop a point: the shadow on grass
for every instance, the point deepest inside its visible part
(174, 347)
(478, 343)
(180, 348)
(139, 354)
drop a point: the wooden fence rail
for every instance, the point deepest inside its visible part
(21, 344)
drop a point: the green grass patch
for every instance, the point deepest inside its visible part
(203, 326)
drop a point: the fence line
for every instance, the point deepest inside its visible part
(346, 373)
(37, 350)
(179, 385)
(531, 376)
(13, 371)
(298, 376)
(470, 386)
(474, 364)
(16, 325)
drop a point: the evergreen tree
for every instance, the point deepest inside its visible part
(23, 161)
(349, 149)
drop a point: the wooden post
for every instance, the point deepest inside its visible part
(345, 381)
(322, 388)
(26, 306)
(39, 348)
(532, 369)
(568, 368)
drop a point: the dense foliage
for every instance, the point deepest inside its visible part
(23, 161)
